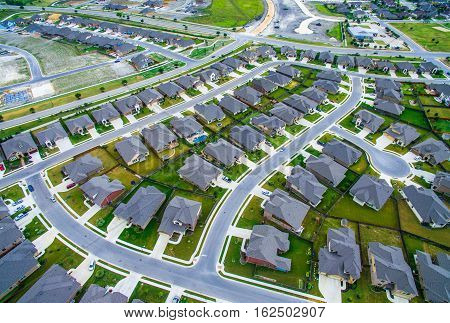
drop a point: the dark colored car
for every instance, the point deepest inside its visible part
(31, 188)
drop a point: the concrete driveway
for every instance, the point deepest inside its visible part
(330, 289)
(64, 144)
(160, 246)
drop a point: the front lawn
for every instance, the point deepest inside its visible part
(101, 277)
(252, 214)
(102, 218)
(14, 193)
(312, 117)
(256, 156)
(168, 175)
(235, 171)
(277, 141)
(278, 180)
(75, 200)
(347, 123)
(149, 294)
(232, 262)
(34, 229)
(148, 165)
(294, 129)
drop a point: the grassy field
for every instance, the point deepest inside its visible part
(34, 229)
(426, 35)
(229, 13)
(149, 294)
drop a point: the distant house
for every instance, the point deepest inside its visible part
(427, 206)
(142, 206)
(266, 52)
(315, 94)
(341, 152)
(385, 66)
(10, 235)
(441, 183)
(278, 78)
(442, 92)
(199, 172)
(249, 56)
(301, 103)
(187, 128)
(232, 105)
(82, 168)
(384, 83)
(50, 136)
(326, 169)
(330, 76)
(390, 271)
(234, 63)
(389, 107)
(389, 95)
(340, 259)
(224, 152)
(326, 86)
(272, 126)
(368, 120)
(288, 51)
(406, 67)
(150, 97)
(223, 69)
(247, 138)
(288, 70)
(209, 75)
(264, 85)
(285, 113)
(285, 211)
(97, 294)
(248, 95)
(362, 34)
(141, 62)
(19, 146)
(114, 7)
(434, 277)
(428, 67)
(132, 150)
(371, 191)
(326, 57)
(79, 125)
(346, 61)
(364, 62)
(306, 185)
(101, 191)
(159, 137)
(209, 112)
(129, 105)
(105, 114)
(309, 55)
(54, 286)
(265, 245)
(180, 215)
(432, 151)
(402, 134)
(170, 89)
(188, 82)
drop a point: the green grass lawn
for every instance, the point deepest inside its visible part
(348, 181)
(101, 277)
(277, 141)
(252, 214)
(279, 94)
(75, 200)
(186, 299)
(426, 35)
(348, 124)
(278, 180)
(312, 117)
(361, 165)
(298, 160)
(34, 229)
(168, 102)
(324, 10)
(362, 291)
(335, 32)
(330, 223)
(232, 260)
(107, 159)
(311, 224)
(412, 244)
(256, 156)
(330, 197)
(294, 129)
(235, 171)
(142, 238)
(415, 118)
(397, 149)
(127, 178)
(55, 174)
(169, 176)
(149, 294)
(102, 218)
(229, 13)
(14, 193)
(147, 166)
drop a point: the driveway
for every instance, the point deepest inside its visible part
(64, 144)
(330, 289)
(160, 246)
(117, 123)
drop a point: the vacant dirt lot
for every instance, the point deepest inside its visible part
(13, 69)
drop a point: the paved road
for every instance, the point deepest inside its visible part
(33, 63)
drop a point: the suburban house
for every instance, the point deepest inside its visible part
(159, 137)
(150, 97)
(285, 211)
(384, 83)
(428, 67)
(389, 107)
(209, 75)
(432, 151)
(434, 277)
(330, 76)
(248, 95)
(223, 69)
(4, 211)
(278, 78)
(288, 70)
(209, 112)
(129, 105)
(389, 270)
(170, 89)
(272, 126)
(266, 52)
(402, 134)
(224, 153)
(406, 67)
(97, 294)
(441, 92)
(345, 61)
(264, 85)
(341, 152)
(315, 94)
(264, 246)
(142, 206)
(101, 191)
(82, 168)
(141, 62)
(16, 266)
(180, 215)
(288, 51)
(326, 57)
(326, 169)
(234, 63)
(188, 82)
(285, 113)
(441, 183)
(306, 185)
(385, 66)
(199, 172)
(326, 86)
(79, 125)
(389, 95)
(105, 114)
(232, 105)
(49, 137)
(19, 146)
(368, 120)
(249, 56)
(132, 150)
(309, 55)
(54, 286)
(301, 103)
(340, 259)
(427, 206)
(364, 62)
(246, 137)
(10, 235)
(187, 128)
(371, 191)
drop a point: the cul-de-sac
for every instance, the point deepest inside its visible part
(200, 151)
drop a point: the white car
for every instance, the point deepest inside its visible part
(52, 198)
(92, 265)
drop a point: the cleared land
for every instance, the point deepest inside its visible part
(427, 35)
(13, 69)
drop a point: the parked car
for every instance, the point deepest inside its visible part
(226, 179)
(17, 202)
(70, 185)
(92, 265)
(52, 198)
(175, 299)
(31, 188)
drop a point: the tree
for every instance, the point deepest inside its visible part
(142, 20)
(32, 110)
(1, 118)
(102, 89)
(78, 95)
(124, 82)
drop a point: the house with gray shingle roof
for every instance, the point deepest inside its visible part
(285, 113)
(340, 259)
(142, 206)
(224, 152)
(189, 82)
(266, 51)
(434, 277)
(269, 125)
(48, 137)
(385, 66)
(384, 83)
(170, 89)
(105, 114)
(82, 168)
(432, 151)
(10, 235)
(326, 86)
(301, 103)
(159, 137)
(402, 134)
(389, 95)
(441, 183)
(248, 95)
(234, 63)
(101, 191)
(428, 67)
(406, 67)
(346, 61)
(368, 120)
(132, 150)
(427, 206)
(264, 246)
(288, 70)
(4, 211)
(209, 112)
(129, 105)
(249, 56)
(209, 75)
(150, 97)
(306, 185)
(16, 266)
(288, 51)
(285, 211)
(223, 69)
(309, 54)
(326, 169)
(19, 146)
(246, 137)
(315, 94)
(98, 294)
(371, 191)
(180, 215)
(389, 107)
(330, 76)
(55, 286)
(232, 105)
(278, 78)
(141, 61)
(341, 152)
(199, 172)
(326, 57)
(390, 271)
(364, 62)
(79, 125)
(264, 85)
(187, 128)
